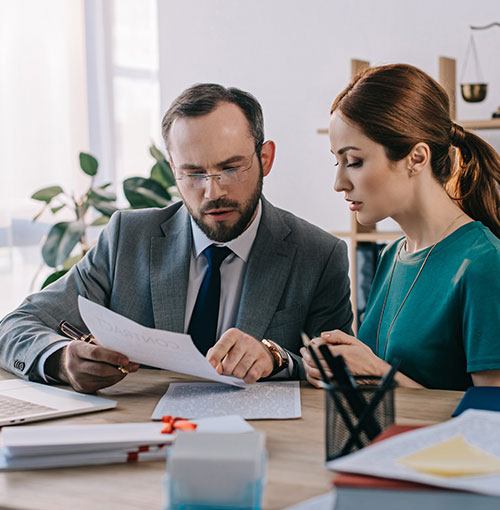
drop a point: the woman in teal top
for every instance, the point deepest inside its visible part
(435, 298)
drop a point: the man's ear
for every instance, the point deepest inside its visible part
(267, 156)
(418, 158)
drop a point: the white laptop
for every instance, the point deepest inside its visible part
(23, 401)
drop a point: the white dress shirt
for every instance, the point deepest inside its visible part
(232, 272)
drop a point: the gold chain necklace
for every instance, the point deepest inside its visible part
(409, 290)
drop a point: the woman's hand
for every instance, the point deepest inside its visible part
(359, 358)
(312, 373)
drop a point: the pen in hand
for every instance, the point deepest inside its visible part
(75, 334)
(307, 344)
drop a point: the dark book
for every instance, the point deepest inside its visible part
(366, 264)
(359, 492)
(479, 397)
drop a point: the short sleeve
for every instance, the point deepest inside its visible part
(481, 311)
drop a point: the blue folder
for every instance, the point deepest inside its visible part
(479, 397)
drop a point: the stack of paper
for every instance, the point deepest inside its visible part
(48, 446)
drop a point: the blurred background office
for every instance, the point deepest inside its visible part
(97, 76)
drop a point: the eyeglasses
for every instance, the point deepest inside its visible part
(228, 176)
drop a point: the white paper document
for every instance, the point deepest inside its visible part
(148, 346)
(264, 400)
(480, 429)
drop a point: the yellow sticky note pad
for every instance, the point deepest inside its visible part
(453, 457)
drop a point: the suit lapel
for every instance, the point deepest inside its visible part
(169, 272)
(267, 272)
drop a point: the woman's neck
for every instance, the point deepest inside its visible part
(432, 217)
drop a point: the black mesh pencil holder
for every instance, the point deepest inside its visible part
(354, 417)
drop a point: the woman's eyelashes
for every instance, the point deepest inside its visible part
(348, 164)
(354, 164)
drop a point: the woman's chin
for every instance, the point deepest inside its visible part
(365, 220)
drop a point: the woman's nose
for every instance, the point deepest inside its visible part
(341, 182)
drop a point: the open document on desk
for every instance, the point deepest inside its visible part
(279, 400)
(147, 346)
(462, 454)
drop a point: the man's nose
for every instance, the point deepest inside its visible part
(213, 188)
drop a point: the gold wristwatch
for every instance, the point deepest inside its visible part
(280, 356)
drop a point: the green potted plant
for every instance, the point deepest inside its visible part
(66, 242)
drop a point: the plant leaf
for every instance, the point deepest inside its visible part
(40, 212)
(104, 207)
(156, 153)
(47, 194)
(102, 220)
(53, 277)
(162, 174)
(142, 192)
(61, 240)
(161, 171)
(104, 186)
(101, 195)
(71, 261)
(58, 208)
(88, 163)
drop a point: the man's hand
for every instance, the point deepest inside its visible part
(88, 367)
(241, 355)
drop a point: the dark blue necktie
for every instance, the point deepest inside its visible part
(203, 323)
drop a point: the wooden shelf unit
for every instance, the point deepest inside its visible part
(473, 125)
(362, 233)
(477, 125)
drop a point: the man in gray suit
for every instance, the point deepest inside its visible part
(280, 275)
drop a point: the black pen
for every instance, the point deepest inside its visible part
(75, 334)
(307, 344)
(331, 390)
(354, 397)
(384, 385)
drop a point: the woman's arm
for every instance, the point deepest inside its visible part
(486, 378)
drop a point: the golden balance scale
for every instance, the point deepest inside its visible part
(476, 92)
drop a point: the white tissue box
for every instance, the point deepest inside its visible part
(215, 471)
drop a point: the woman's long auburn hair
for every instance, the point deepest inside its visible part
(399, 106)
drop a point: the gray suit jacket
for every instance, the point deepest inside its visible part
(296, 279)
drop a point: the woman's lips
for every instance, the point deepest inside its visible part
(354, 206)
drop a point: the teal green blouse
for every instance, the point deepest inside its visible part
(449, 325)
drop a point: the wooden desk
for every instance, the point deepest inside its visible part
(296, 449)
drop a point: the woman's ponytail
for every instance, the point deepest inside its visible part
(475, 182)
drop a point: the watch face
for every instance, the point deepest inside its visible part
(280, 356)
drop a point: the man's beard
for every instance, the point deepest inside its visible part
(222, 233)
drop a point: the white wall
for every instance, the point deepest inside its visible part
(294, 56)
